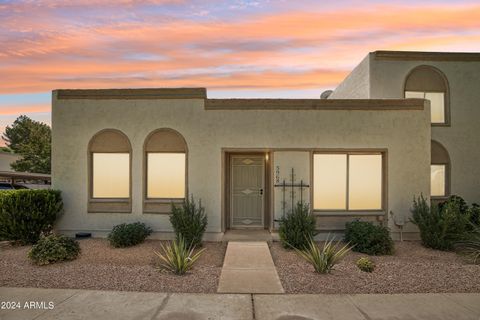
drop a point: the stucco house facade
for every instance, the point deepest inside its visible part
(124, 155)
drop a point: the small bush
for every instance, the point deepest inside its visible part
(440, 225)
(365, 264)
(177, 256)
(474, 215)
(297, 227)
(323, 260)
(128, 234)
(368, 238)
(189, 221)
(26, 215)
(54, 248)
(470, 246)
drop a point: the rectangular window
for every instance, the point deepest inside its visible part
(347, 181)
(437, 181)
(166, 175)
(437, 103)
(111, 175)
(330, 181)
(365, 182)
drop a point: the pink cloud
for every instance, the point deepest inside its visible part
(297, 49)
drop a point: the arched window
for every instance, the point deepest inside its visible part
(109, 154)
(165, 162)
(427, 82)
(440, 171)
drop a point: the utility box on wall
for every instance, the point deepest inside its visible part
(291, 180)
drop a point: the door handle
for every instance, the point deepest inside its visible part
(261, 192)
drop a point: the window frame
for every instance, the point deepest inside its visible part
(445, 182)
(108, 205)
(445, 90)
(164, 199)
(162, 205)
(347, 211)
(93, 178)
(447, 162)
(445, 113)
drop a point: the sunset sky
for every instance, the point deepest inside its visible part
(288, 49)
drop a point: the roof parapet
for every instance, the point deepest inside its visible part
(314, 104)
(426, 56)
(137, 94)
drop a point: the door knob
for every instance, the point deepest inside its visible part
(261, 192)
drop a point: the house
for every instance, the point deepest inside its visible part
(124, 155)
(14, 179)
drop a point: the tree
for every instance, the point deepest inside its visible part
(31, 139)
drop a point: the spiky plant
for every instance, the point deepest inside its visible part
(323, 260)
(177, 256)
(470, 246)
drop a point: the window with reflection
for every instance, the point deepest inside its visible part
(437, 181)
(437, 104)
(439, 171)
(165, 160)
(347, 181)
(427, 82)
(111, 175)
(109, 172)
(330, 181)
(165, 175)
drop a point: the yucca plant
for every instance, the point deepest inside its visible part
(177, 256)
(323, 260)
(470, 247)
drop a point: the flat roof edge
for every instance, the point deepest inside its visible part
(143, 93)
(315, 104)
(426, 56)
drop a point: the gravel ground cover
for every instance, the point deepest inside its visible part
(412, 269)
(105, 268)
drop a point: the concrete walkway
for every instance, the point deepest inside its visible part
(90, 304)
(248, 268)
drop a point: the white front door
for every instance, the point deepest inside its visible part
(247, 190)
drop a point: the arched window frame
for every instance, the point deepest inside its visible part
(114, 205)
(445, 90)
(440, 156)
(163, 205)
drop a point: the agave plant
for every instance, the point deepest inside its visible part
(177, 257)
(324, 259)
(470, 247)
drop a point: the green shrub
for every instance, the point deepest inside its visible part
(297, 227)
(323, 260)
(368, 238)
(54, 248)
(474, 215)
(365, 264)
(177, 256)
(26, 215)
(440, 225)
(128, 234)
(470, 246)
(189, 221)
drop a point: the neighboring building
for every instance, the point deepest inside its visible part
(451, 81)
(6, 159)
(19, 180)
(125, 155)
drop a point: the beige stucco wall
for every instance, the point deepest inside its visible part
(405, 134)
(283, 163)
(462, 137)
(357, 84)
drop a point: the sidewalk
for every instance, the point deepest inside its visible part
(89, 304)
(248, 268)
